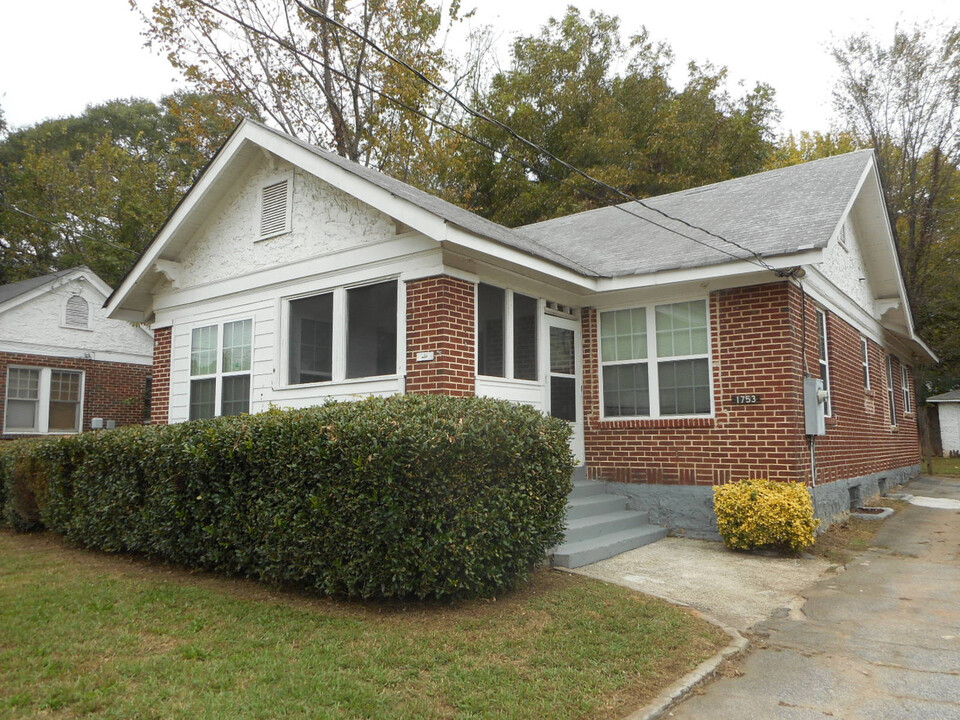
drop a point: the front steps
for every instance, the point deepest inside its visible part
(599, 526)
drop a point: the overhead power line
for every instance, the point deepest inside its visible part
(751, 255)
(461, 133)
(59, 226)
(529, 143)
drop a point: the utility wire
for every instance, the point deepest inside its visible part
(467, 136)
(59, 226)
(529, 143)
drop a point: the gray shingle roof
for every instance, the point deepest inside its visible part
(772, 213)
(441, 208)
(15, 289)
(952, 396)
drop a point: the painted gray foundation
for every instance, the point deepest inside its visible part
(832, 500)
(687, 510)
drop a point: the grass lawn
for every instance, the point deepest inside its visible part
(944, 466)
(96, 635)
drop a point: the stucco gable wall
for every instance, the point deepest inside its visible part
(844, 266)
(325, 220)
(38, 322)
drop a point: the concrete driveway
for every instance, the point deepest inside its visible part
(879, 641)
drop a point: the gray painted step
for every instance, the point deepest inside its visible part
(586, 488)
(584, 552)
(597, 525)
(579, 473)
(594, 505)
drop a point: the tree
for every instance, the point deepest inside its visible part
(94, 189)
(904, 101)
(631, 129)
(311, 79)
(793, 149)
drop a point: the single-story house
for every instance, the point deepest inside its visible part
(948, 410)
(65, 366)
(675, 336)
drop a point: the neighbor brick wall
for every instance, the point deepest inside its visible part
(757, 335)
(440, 318)
(160, 402)
(111, 390)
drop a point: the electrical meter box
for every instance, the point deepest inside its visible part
(814, 406)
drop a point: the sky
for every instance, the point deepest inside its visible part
(58, 56)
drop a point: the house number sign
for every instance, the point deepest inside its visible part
(746, 399)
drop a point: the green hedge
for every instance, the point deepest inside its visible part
(407, 496)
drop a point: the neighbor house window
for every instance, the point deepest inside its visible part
(656, 360)
(891, 395)
(905, 382)
(824, 360)
(346, 333)
(221, 358)
(865, 361)
(504, 315)
(43, 400)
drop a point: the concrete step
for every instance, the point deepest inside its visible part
(579, 473)
(584, 552)
(597, 525)
(586, 488)
(594, 505)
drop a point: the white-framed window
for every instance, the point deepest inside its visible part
(276, 207)
(891, 395)
(865, 361)
(76, 313)
(655, 361)
(221, 358)
(344, 333)
(507, 339)
(823, 341)
(905, 383)
(43, 400)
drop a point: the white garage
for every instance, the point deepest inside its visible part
(948, 406)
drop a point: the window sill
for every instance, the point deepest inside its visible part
(687, 421)
(910, 415)
(340, 383)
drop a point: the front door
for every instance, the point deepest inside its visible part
(564, 378)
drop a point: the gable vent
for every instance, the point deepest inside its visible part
(77, 312)
(273, 210)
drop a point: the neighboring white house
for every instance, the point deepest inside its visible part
(948, 407)
(63, 362)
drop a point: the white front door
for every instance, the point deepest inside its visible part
(564, 397)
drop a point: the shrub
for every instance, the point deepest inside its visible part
(765, 514)
(22, 484)
(408, 496)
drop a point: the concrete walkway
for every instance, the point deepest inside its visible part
(879, 641)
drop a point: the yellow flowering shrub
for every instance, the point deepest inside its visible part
(763, 513)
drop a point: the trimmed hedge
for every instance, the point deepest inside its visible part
(761, 513)
(406, 496)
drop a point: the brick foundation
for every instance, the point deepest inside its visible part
(112, 390)
(440, 319)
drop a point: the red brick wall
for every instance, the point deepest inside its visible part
(160, 401)
(440, 318)
(111, 390)
(756, 336)
(860, 439)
